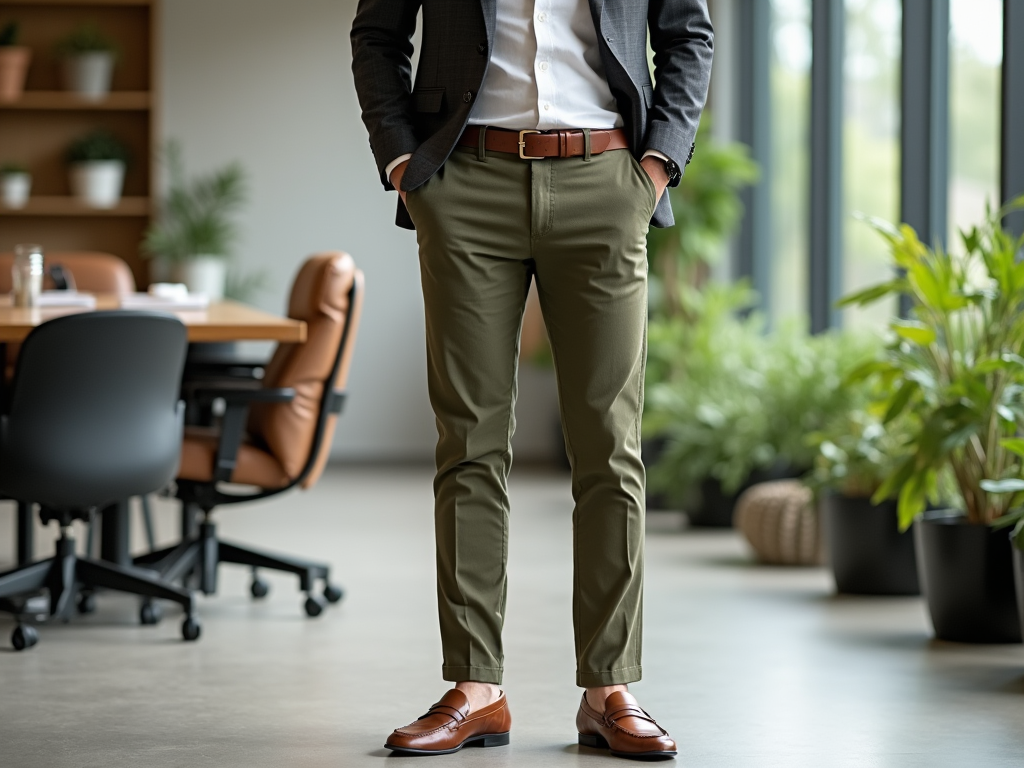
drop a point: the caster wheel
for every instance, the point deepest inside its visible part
(150, 614)
(87, 603)
(24, 637)
(259, 588)
(314, 605)
(190, 629)
(333, 594)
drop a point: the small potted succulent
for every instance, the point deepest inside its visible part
(15, 185)
(868, 553)
(97, 164)
(956, 365)
(14, 63)
(193, 235)
(88, 57)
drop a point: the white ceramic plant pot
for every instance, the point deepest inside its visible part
(98, 183)
(203, 274)
(89, 74)
(15, 189)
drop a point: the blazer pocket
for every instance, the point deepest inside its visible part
(648, 95)
(428, 99)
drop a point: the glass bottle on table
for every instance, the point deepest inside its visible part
(27, 274)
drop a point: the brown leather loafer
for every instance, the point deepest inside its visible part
(625, 729)
(449, 726)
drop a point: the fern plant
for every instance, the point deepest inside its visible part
(195, 217)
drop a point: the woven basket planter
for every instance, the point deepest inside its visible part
(779, 521)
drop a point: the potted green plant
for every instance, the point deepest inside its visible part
(15, 185)
(14, 63)
(868, 554)
(97, 164)
(735, 405)
(707, 209)
(194, 232)
(87, 58)
(956, 365)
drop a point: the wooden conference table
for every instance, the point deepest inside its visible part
(223, 321)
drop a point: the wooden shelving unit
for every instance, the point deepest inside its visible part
(69, 206)
(36, 130)
(62, 100)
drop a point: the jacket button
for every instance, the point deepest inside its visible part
(467, 96)
(482, 48)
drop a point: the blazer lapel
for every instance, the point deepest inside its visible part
(490, 10)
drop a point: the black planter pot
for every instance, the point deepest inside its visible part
(869, 555)
(1018, 580)
(652, 449)
(967, 578)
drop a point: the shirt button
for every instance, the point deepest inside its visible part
(542, 17)
(467, 96)
(543, 66)
(547, 107)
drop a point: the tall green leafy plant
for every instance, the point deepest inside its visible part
(956, 363)
(195, 218)
(707, 208)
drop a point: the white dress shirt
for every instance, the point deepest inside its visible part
(545, 72)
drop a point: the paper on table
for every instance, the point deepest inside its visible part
(146, 301)
(57, 299)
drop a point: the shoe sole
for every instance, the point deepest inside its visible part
(595, 741)
(484, 740)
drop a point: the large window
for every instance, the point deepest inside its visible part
(975, 62)
(790, 122)
(871, 155)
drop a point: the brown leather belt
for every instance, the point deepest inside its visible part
(536, 145)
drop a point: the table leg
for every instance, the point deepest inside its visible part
(189, 521)
(26, 533)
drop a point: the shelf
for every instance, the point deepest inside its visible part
(70, 206)
(67, 100)
(99, 3)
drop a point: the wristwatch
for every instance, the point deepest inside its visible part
(674, 174)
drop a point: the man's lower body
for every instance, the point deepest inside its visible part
(488, 224)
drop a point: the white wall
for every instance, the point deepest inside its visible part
(268, 83)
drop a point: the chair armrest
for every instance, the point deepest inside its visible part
(232, 431)
(235, 395)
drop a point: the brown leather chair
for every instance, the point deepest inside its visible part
(274, 436)
(93, 272)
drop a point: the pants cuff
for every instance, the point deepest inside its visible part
(622, 676)
(471, 674)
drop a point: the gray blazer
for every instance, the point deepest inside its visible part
(427, 119)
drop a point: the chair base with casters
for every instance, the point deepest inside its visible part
(197, 559)
(66, 575)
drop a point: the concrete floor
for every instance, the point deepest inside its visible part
(746, 666)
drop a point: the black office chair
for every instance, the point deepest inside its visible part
(93, 418)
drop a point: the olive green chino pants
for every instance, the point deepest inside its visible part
(487, 224)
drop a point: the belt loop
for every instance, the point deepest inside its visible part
(481, 147)
(586, 145)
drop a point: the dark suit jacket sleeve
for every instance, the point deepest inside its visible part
(683, 43)
(382, 65)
